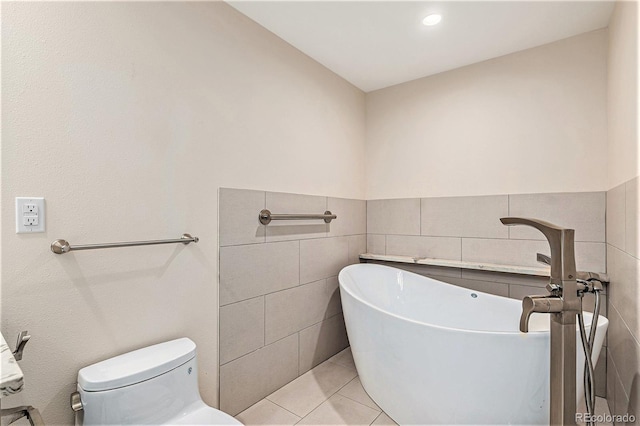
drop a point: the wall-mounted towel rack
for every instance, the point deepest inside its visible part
(266, 216)
(63, 246)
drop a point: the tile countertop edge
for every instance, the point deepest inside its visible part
(510, 269)
(11, 377)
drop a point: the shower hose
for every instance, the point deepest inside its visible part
(587, 345)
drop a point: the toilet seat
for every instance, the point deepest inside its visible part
(202, 414)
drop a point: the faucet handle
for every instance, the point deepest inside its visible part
(540, 304)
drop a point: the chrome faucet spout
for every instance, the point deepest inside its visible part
(543, 258)
(562, 260)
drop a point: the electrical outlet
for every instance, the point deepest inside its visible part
(30, 221)
(29, 214)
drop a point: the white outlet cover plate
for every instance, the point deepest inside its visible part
(21, 228)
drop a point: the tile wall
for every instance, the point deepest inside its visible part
(468, 229)
(623, 265)
(280, 311)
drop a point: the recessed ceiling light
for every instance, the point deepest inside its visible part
(432, 19)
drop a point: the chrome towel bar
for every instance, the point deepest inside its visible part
(266, 216)
(63, 246)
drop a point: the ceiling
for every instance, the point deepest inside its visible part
(376, 44)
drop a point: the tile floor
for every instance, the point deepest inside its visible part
(329, 394)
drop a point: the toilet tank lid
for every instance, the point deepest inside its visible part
(137, 366)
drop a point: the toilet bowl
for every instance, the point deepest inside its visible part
(156, 385)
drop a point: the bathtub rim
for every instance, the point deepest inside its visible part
(535, 334)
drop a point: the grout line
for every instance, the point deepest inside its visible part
(624, 234)
(374, 420)
(360, 403)
(327, 398)
(299, 354)
(508, 214)
(633, 336)
(275, 403)
(299, 263)
(483, 238)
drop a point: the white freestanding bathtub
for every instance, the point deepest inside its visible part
(428, 352)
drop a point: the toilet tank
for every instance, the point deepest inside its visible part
(147, 386)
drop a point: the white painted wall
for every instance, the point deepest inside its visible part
(529, 122)
(127, 117)
(623, 95)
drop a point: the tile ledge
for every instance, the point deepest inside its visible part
(510, 269)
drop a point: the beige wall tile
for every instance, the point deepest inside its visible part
(339, 410)
(624, 290)
(591, 256)
(253, 270)
(238, 221)
(266, 412)
(625, 352)
(506, 252)
(400, 216)
(601, 374)
(334, 305)
(616, 216)
(357, 246)
(621, 406)
(632, 218)
(323, 258)
(477, 217)
(321, 341)
(418, 246)
(248, 379)
(291, 310)
(376, 244)
(312, 388)
(352, 216)
(582, 211)
(612, 377)
(241, 328)
(285, 203)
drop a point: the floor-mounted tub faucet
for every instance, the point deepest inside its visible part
(563, 303)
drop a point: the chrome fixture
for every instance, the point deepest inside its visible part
(563, 304)
(266, 216)
(588, 282)
(23, 338)
(76, 402)
(580, 275)
(63, 246)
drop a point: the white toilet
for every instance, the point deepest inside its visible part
(157, 385)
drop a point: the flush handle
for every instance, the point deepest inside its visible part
(76, 402)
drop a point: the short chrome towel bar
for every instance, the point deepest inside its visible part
(266, 216)
(63, 246)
